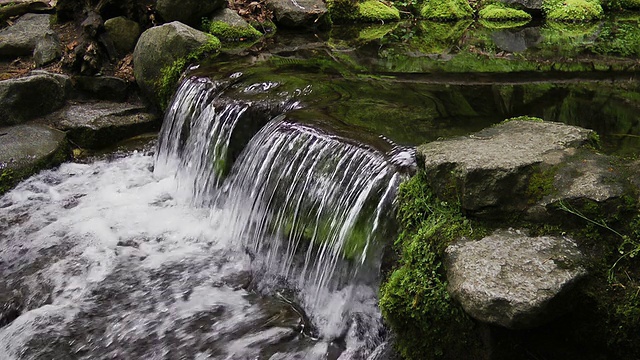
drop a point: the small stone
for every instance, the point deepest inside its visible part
(513, 280)
(299, 14)
(188, 12)
(48, 49)
(22, 37)
(124, 33)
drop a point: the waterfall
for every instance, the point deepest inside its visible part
(308, 205)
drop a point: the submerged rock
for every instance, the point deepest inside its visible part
(96, 125)
(26, 149)
(28, 97)
(513, 280)
(299, 14)
(491, 170)
(21, 38)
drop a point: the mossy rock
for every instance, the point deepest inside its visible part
(499, 25)
(348, 11)
(573, 10)
(227, 25)
(621, 4)
(446, 10)
(499, 12)
(376, 11)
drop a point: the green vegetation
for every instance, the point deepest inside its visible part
(7, 180)
(171, 73)
(499, 12)
(497, 25)
(621, 4)
(446, 10)
(349, 11)
(523, 118)
(414, 299)
(227, 32)
(541, 185)
(572, 10)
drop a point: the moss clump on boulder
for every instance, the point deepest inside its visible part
(572, 10)
(621, 4)
(228, 32)
(348, 11)
(414, 300)
(446, 10)
(375, 11)
(500, 12)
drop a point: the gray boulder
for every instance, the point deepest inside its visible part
(517, 41)
(526, 4)
(109, 88)
(48, 49)
(299, 13)
(124, 33)
(96, 125)
(491, 171)
(512, 280)
(227, 25)
(27, 149)
(21, 38)
(29, 97)
(159, 47)
(189, 12)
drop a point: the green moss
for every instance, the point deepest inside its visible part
(376, 11)
(541, 184)
(170, 74)
(572, 10)
(414, 300)
(621, 4)
(265, 27)
(499, 12)
(446, 10)
(349, 11)
(226, 32)
(375, 32)
(7, 180)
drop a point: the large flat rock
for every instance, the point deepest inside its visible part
(32, 96)
(513, 280)
(299, 13)
(99, 124)
(25, 149)
(490, 171)
(21, 38)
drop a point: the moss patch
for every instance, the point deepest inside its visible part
(446, 10)
(500, 12)
(226, 32)
(375, 11)
(171, 74)
(414, 300)
(349, 11)
(572, 10)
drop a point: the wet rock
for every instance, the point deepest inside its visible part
(108, 88)
(527, 4)
(491, 171)
(159, 47)
(513, 280)
(25, 98)
(189, 12)
(48, 49)
(21, 38)
(299, 14)
(124, 33)
(96, 125)
(26, 149)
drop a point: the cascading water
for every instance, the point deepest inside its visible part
(112, 259)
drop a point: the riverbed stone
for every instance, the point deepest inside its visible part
(108, 88)
(28, 97)
(26, 149)
(491, 171)
(158, 48)
(21, 38)
(299, 14)
(124, 33)
(189, 12)
(48, 49)
(98, 124)
(513, 280)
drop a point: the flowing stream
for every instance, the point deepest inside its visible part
(244, 234)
